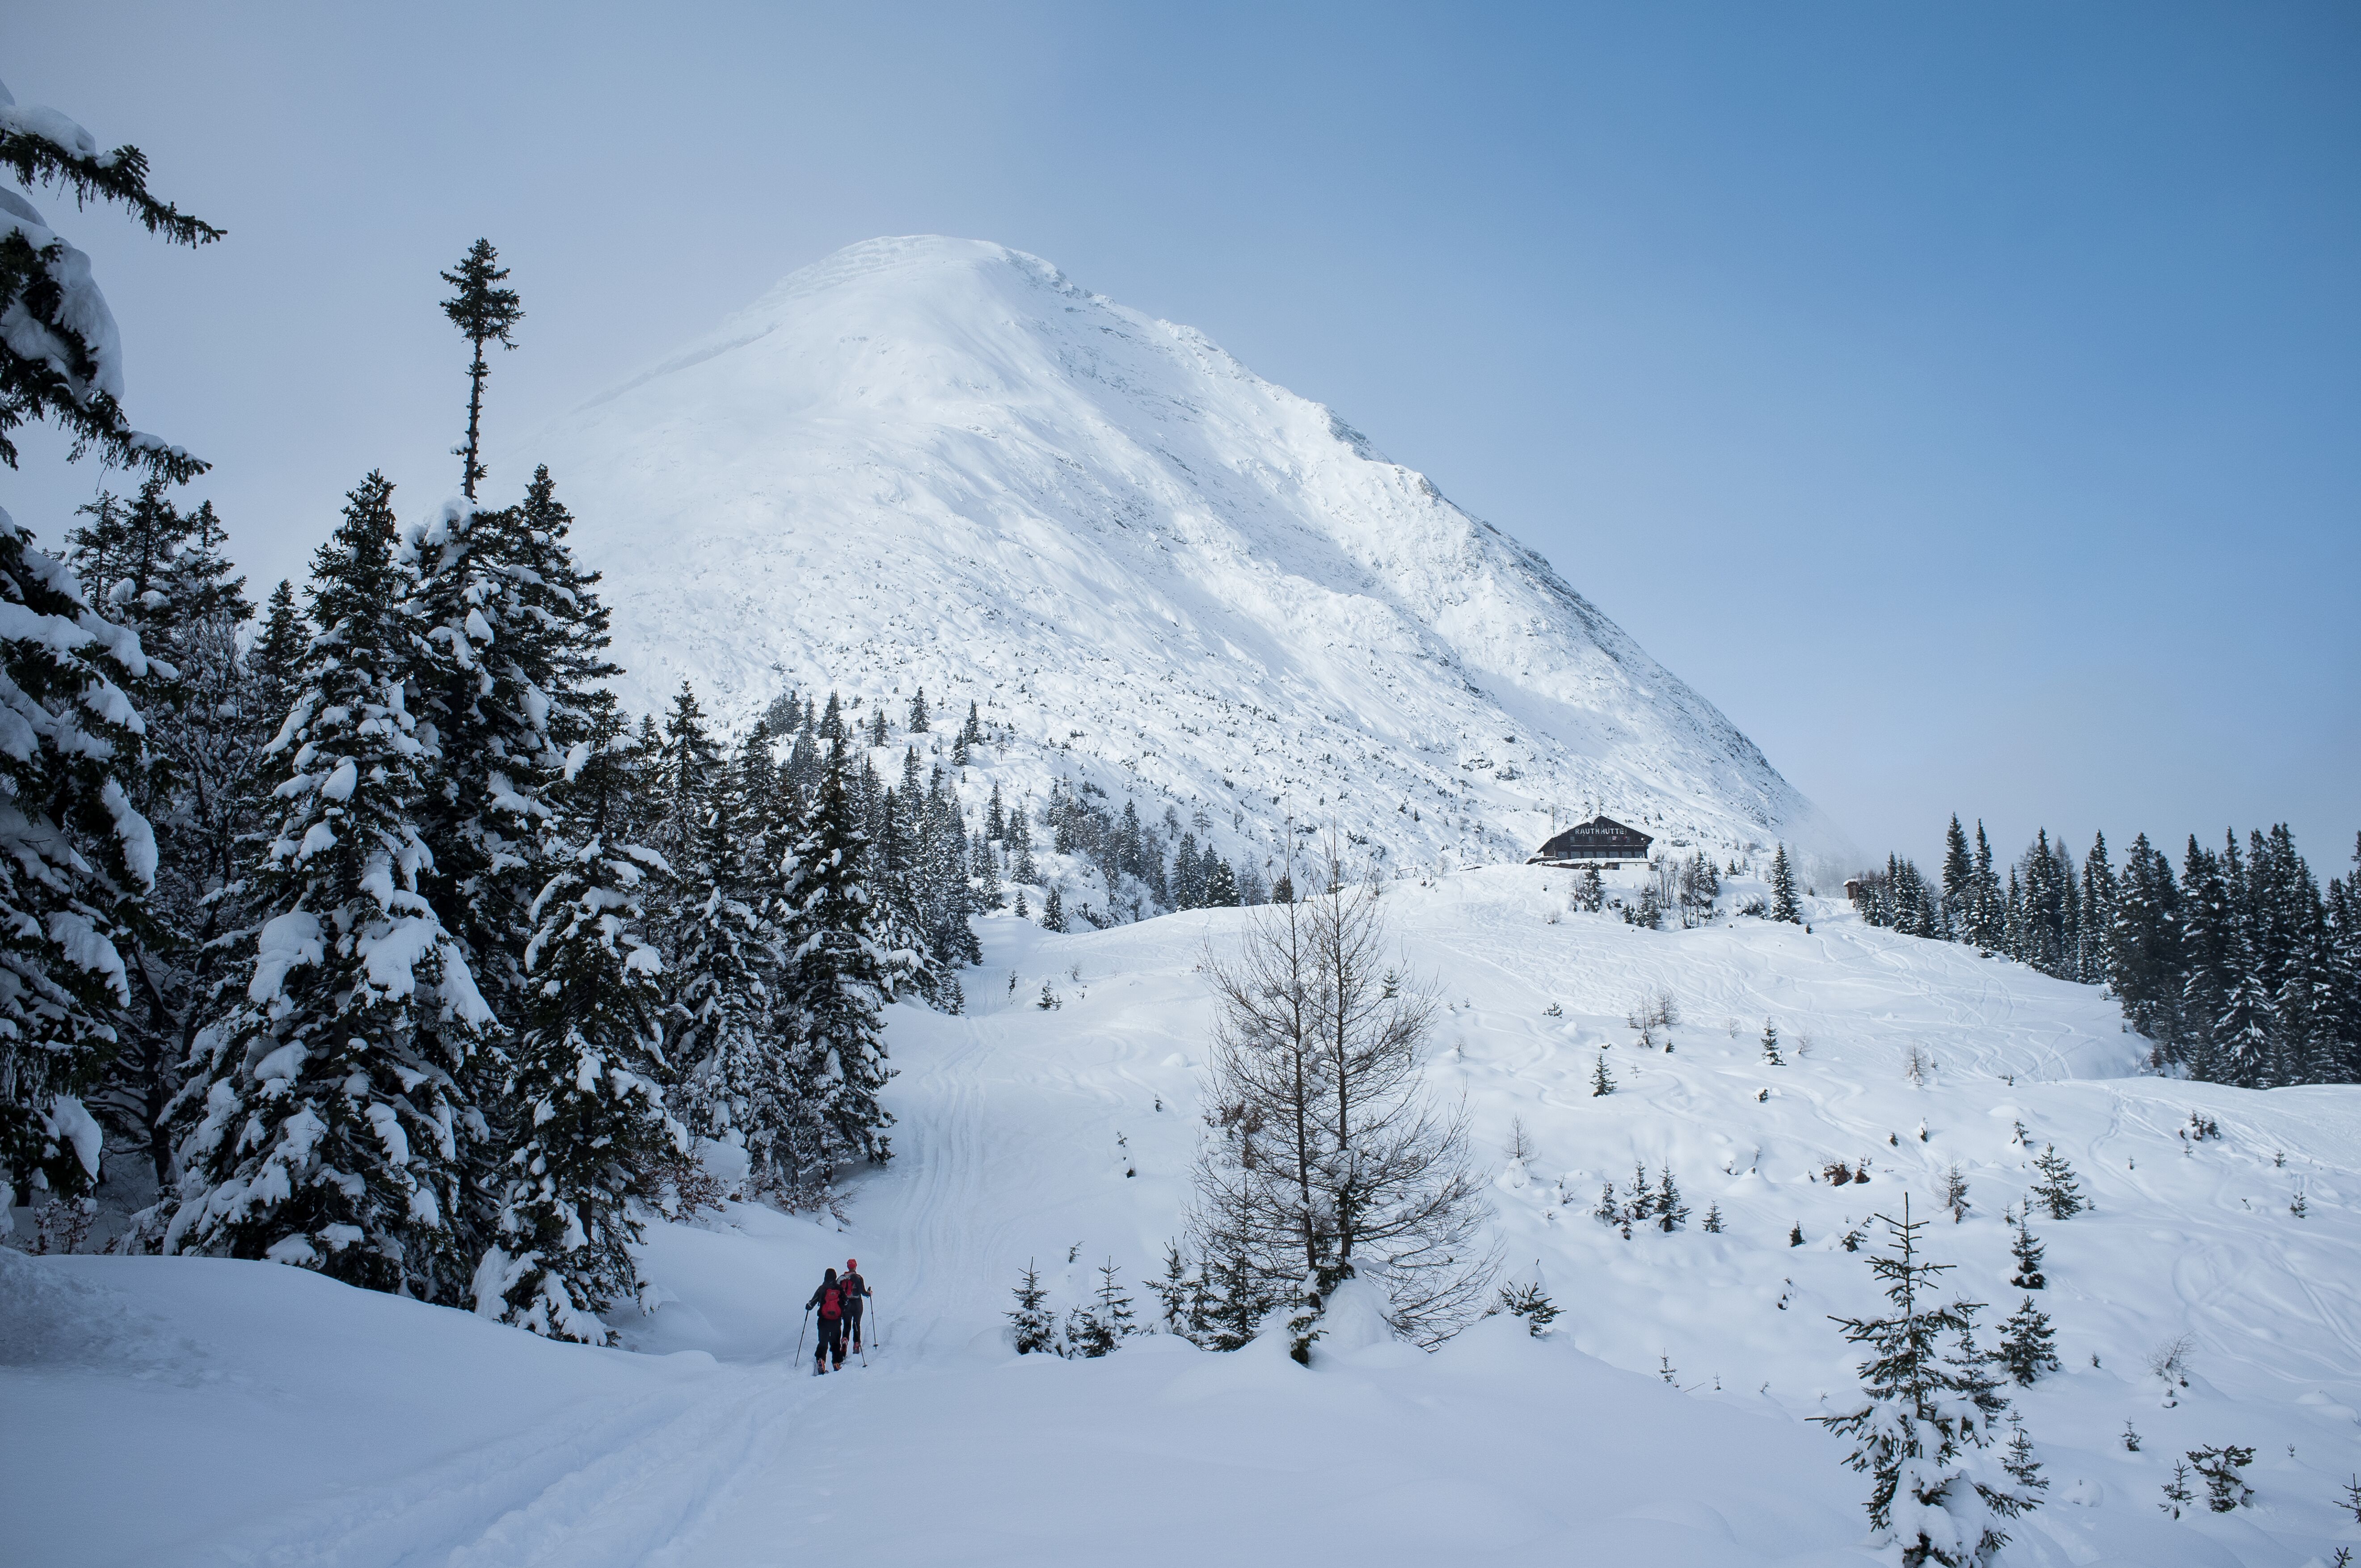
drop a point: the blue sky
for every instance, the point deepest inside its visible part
(1968, 400)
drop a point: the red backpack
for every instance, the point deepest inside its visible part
(831, 1302)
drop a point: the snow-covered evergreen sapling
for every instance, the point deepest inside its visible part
(1601, 1081)
(1671, 1213)
(2026, 1346)
(1105, 1323)
(1770, 1056)
(1181, 1296)
(2224, 1472)
(1712, 1224)
(2028, 1249)
(1795, 1234)
(1033, 1321)
(1531, 1303)
(2177, 1494)
(2056, 1192)
(1926, 1418)
(1952, 1190)
(2020, 1463)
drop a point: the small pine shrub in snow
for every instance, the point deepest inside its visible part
(2022, 1466)
(2026, 1348)
(1795, 1234)
(1033, 1322)
(1952, 1190)
(2028, 1250)
(1671, 1213)
(2056, 1190)
(2224, 1472)
(2177, 1494)
(1601, 1081)
(1711, 1224)
(1770, 1045)
(1532, 1304)
(1181, 1296)
(2131, 1438)
(1098, 1328)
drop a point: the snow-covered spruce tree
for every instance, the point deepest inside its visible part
(2056, 1192)
(2026, 1248)
(208, 720)
(60, 360)
(483, 313)
(76, 861)
(1926, 1422)
(1784, 905)
(836, 975)
(737, 1076)
(1099, 1327)
(330, 1128)
(1771, 1056)
(1033, 1322)
(1181, 1296)
(2026, 1346)
(687, 770)
(583, 1072)
(276, 655)
(1670, 1213)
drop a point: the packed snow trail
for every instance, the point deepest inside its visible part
(254, 1414)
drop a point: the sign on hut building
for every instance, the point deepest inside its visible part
(1601, 841)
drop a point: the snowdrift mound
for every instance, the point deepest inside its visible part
(938, 463)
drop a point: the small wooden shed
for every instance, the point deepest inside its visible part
(1601, 841)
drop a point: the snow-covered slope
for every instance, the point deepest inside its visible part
(257, 1414)
(938, 463)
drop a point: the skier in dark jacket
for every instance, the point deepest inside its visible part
(856, 1298)
(830, 1298)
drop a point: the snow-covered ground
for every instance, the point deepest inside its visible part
(192, 1411)
(938, 463)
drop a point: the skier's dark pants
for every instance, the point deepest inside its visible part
(853, 1317)
(832, 1342)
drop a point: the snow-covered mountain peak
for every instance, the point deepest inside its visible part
(940, 463)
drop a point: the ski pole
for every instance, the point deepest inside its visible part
(801, 1331)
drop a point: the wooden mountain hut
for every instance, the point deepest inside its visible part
(1601, 841)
